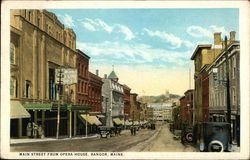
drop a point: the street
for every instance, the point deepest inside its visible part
(146, 140)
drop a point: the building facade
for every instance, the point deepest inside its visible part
(127, 105)
(218, 88)
(95, 93)
(83, 78)
(39, 44)
(135, 110)
(113, 100)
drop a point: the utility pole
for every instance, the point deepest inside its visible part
(228, 92)
(59, 101)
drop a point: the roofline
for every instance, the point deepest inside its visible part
(198, 47)
(234, 43)
(189, 91)
(78, 50)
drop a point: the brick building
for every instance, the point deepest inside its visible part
(95, 93)
(127, 105)
(83, 78)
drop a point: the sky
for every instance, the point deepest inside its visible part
(149, 48)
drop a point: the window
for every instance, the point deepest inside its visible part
(38, 22)
(13, 87)
(29, 16)
(27, 89)
(12, 54)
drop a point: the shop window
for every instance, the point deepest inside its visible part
(12, 54)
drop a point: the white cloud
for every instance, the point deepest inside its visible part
(100, 25)
(67, 20)
(88, 26)
(198, 31)
(132, 53)
(167, 37)
(173, 40)
(126, 31)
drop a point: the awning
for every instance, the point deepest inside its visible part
(91, 119)
(36, 106)
(78, 107)
(100, 116)
(117, 121)
(17, 110)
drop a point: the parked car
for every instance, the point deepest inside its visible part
(177, 134)
(214, 136)
(187, 134)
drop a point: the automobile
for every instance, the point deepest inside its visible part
(106, 132)
(187, 134)
(177, 134)
(214, 137)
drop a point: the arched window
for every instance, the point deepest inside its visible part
(12, 54)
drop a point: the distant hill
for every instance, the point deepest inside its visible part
(158, 99)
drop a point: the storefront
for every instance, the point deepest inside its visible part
(19, 118)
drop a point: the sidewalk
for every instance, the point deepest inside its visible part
(46, 139)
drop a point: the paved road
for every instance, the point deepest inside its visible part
(113, 144)
(159, 140)
(163, 141)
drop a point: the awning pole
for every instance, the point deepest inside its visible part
(70, 124)
(86, 129)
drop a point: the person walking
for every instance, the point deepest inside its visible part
(29, 130)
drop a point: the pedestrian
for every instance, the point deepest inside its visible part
(40, 131)
(134, 131)
(34, 130)
(29, 130)
(131, 130)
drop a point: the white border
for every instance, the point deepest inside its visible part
(244, 72)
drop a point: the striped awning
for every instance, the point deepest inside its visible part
(17, 110)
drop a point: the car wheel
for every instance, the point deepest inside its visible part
(189, 137)
(215, 146)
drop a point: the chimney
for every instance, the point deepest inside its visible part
(232, 36)
(105, 76)
(97, 72)
(217, 38)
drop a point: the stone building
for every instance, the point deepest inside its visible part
(39, 44)
(113, 100)
(217, 85)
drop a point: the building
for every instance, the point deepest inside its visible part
(113, 100)
(149, 114)
(203, 56)
(95, 93)
(39, 44)
(83, 78)
(189, 101)
(183, 110)
(127, 105)
(135, 110)
(161, 111)
(217, 73)
(186, 107)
